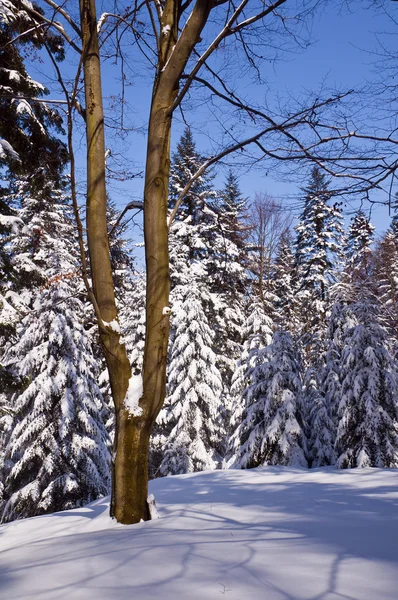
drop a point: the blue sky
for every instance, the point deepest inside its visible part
(339, 57)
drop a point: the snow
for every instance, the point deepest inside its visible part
(114, 325)
(7, 150)
(133, 396)
(153, 511)
(272, 533)
(166, 310)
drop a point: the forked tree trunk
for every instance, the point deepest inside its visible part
(130, 463)
(124, 462)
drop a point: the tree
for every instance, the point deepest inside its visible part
(57, 455)
(358, 253)
(271, 432)
(318, 243)
(385, 281)
(367, 434)
(283, 275)
(192, 410)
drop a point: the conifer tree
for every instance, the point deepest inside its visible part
(257, 334)
(192, 410)
(358, 253)
(318, 243)
(31, 156)
(283, 285)
(385, 282)
(367, 433)
(271, 431)
(57, 448)
(323, 411)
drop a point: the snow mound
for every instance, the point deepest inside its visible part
(272, 533)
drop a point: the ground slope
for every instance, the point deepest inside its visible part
(261, 534)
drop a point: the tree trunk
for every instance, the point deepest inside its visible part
(100, 263)
(130, 463)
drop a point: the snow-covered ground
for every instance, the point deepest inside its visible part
(262, 534)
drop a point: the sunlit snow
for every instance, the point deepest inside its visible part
(272, 533)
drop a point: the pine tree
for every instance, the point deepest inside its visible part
(283, 285)
(318, 243)
(358, 253)
(271, 432)
(192, 409)
(323, 410)
(257, 335)
(32, 158)
(367, 434)
(385, 282)
(57, 450)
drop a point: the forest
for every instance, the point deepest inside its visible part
(252, 336)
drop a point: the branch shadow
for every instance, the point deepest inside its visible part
(263, 535)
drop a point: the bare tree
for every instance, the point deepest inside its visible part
(269, 220)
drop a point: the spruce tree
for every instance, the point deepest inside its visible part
(318, 244)
(367, 433)
(358, 253)
(192, 410)
(57, 453)
(271, 432)
(283, 285)
(385, 282)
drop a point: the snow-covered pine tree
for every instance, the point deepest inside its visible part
(58, 446)
(358, 253)
(226, 270)
(385, 283)
(31, 153)
(323, 411)
(317, 265)
(318, 246)
(271, 432)
(283, 285)
(191, 415)
(257, 335)
(367, 433)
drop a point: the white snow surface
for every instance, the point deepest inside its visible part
(133, 396)
(273, 533)
(114, 325)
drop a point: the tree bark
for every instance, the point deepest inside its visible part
(130, 462)
(101, 272)
(174, 53)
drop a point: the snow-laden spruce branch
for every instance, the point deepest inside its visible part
(41, 19)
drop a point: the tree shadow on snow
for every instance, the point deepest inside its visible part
(227, 536)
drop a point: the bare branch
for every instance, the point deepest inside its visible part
(66, 16)
(130, 206)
